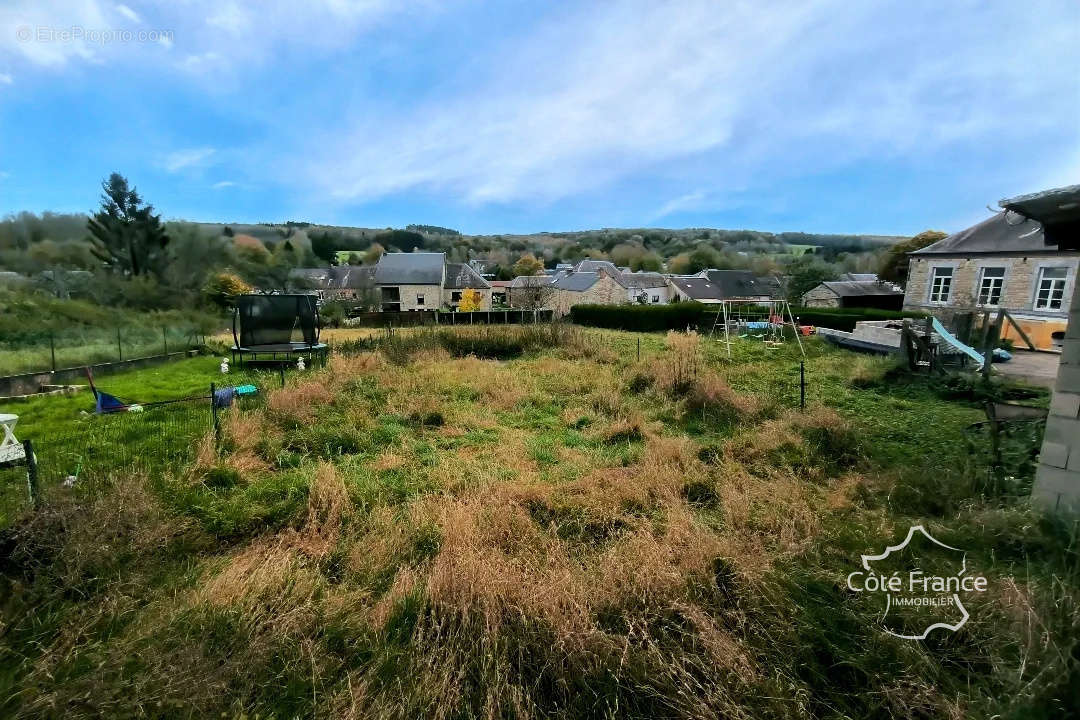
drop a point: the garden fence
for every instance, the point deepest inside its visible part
(48, 350)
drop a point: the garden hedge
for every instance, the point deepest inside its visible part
(674, 316)
(679, 316)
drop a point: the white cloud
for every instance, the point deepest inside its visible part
(231, 18)
(223, 185)
(128, 13)
(689, 201)
(206, 29)
(31, 30)
(201, 63)
(184, 159)
(726, 92)
(6, 79)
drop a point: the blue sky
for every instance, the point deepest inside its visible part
(813, 115)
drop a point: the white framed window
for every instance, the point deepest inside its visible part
(1050, 291)
(419, 299)
(991, 282)
(941, 284)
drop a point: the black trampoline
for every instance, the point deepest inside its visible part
(276, 329)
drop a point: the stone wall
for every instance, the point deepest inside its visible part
(1018, 289)
(1017, 295)
(821, 296)
(407, 294)
(1057, 482)
(605, 291)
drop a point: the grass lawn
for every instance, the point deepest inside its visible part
(531, 522)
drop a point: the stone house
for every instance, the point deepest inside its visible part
(530, 292)
(647, 288)
(348, 283)
(461, 277)
(712, 286)
(1056, 216)
(586, 288)
(1002, 262)
(398, 282)
(855, 294)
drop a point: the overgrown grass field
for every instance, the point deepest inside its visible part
(533, 522)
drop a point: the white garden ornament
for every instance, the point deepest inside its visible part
(300, 363)
(224, 366)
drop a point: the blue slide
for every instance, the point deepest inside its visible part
(951, 339)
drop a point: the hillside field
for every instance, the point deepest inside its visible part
(528, 522)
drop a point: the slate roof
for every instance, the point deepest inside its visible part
(462, 275)
(597, 266)
(861, 289)
(642, 280)
(530, 281)
(698, 288)
(410, 269)
(772, 285)
(734, 284)
(859, 277)
(1000, 234)
(576, 281)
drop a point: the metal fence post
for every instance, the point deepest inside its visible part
(214, 414)
(119, 347)
(31, 474)
(164, 340)
(52, 350)
(802, 385)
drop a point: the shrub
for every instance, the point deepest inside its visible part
(642, 318)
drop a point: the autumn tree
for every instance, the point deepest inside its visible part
(471, 300)
(528, 265)
(223, 287)
(373, 253)
(125, 234)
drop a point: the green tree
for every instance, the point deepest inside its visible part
(894, 267)
(125, 234)
(807, 273)
(650, 261)
(527, 264)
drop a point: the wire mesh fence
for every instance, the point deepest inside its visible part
(45, 349)
(155, 439)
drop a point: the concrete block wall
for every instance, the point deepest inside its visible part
(1057, 481)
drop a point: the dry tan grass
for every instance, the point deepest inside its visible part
(676, 369)
(328, 507)
(710, 394)
(345, 367)
(298, 403)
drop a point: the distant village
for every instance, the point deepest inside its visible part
(995, 264)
